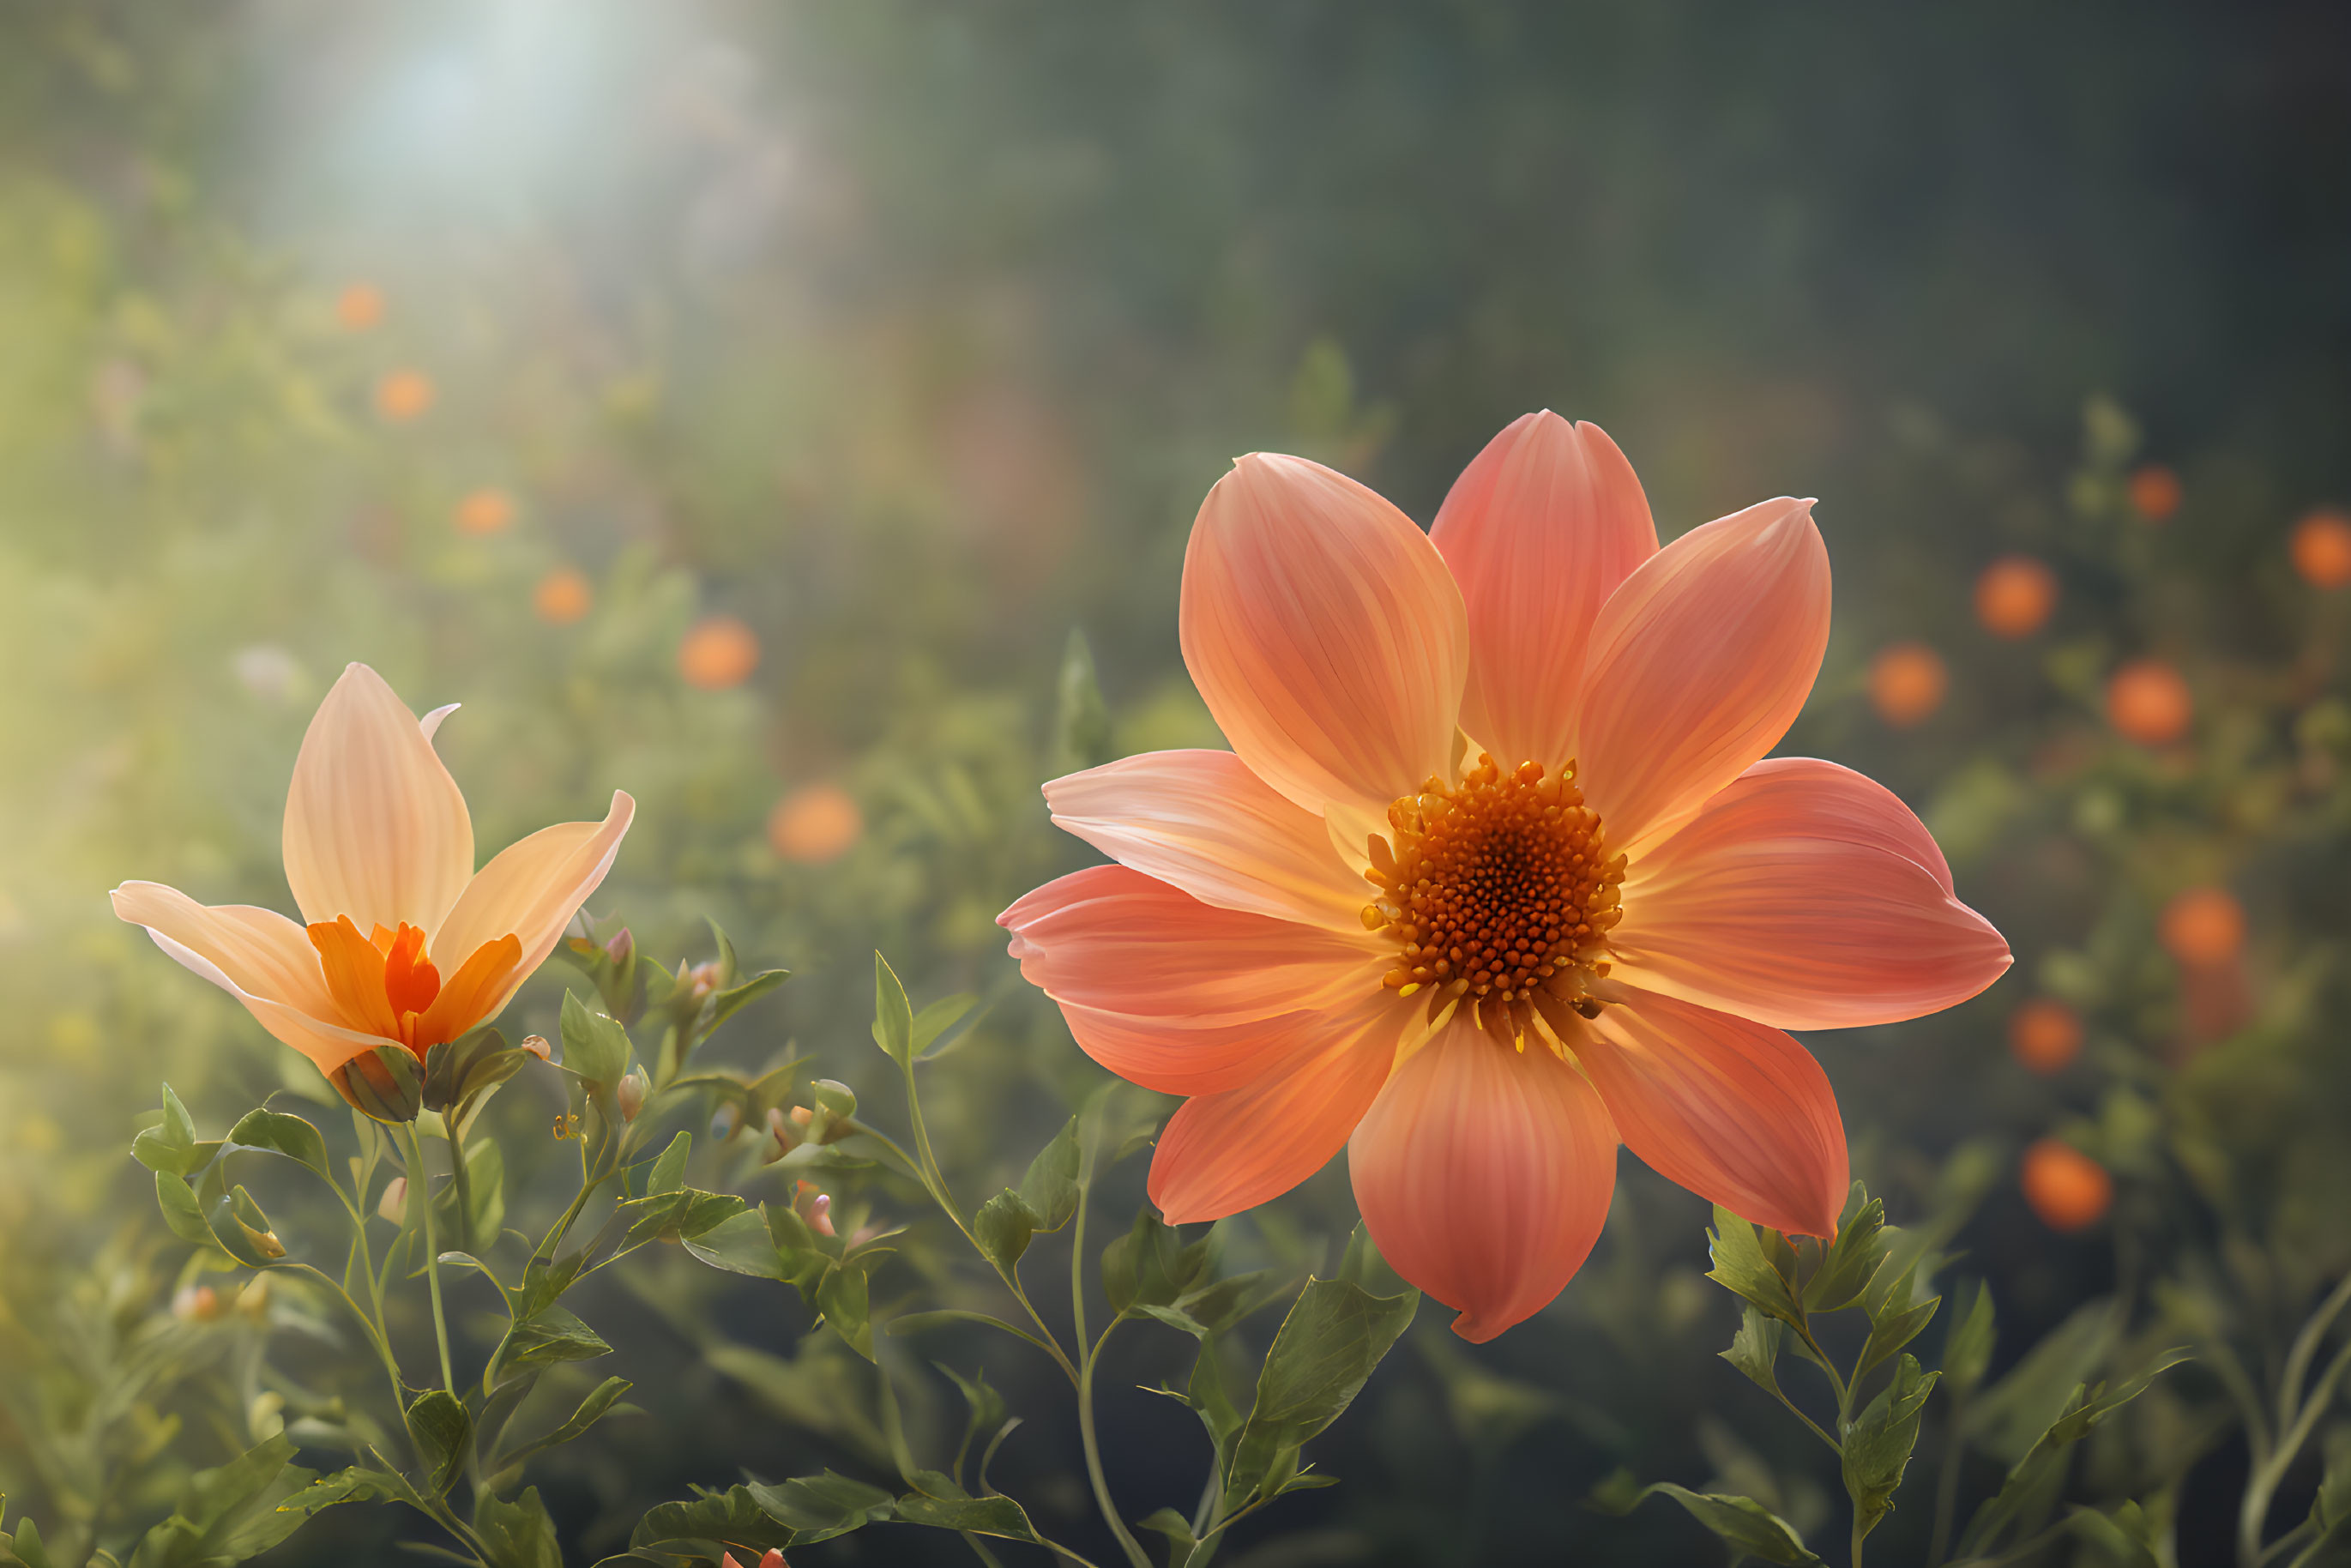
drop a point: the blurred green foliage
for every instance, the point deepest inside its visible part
(910, 335)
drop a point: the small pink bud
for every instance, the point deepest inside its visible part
(196, 1304)
(393, 1205)
(704, 978)
(821, 1214)
(622, 947)
(537, 1045)
(630, 1093)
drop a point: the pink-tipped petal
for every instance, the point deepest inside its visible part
(1202, 821)
(1120, 942)
(1738, 1113)
(1698, 664)
(1324, 633)
(375, 828)
(1485, 1174)
(256, 956)
(1226, 1152)
(1539, 530)
(530, 890)
(1804, 896)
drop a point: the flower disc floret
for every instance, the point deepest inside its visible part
(1499, 890)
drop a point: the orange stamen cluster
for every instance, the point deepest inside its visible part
(1500, 892)
(384, 984)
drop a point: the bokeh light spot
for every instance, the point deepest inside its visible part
(2068, 1190)
(1906, 683)
(2045, 1035)
(562, 597)
(2015, 596)
(484, 511)
(2155, 492)
(2322, 548)
(2147, 702)
(717, 652)
(403, 395)
(2203, 927)
(815, 823)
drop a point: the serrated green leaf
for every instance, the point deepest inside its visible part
(518, 1534)
(1744, 1525)
(740, 1244)
(1755, 1348)
(1050, 1187)
(894, 1016)
(1879, 1444)
(1002, 1229)
(1894, 1321)
(1741, 1267)
(442, 1430)
(1848, 1262)
(595, 1047)
(2042, 1466)
(1325, 1350)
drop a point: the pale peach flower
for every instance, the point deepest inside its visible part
(1598, 936)
(379, 854)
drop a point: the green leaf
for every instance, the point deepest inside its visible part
(243, 1231)
(941, 1016)
(726, 1004)
(1744, 1525)
(1151, 1266)
(1893, 1321)
(518, 1534)
(1967, 1347)
(595, 1047)
(457, 1071)
(819, 1507)
(1755, 1349)
(400, 1071)
(230, 1513)
(842, 1298)
(1177, 1529)
(170, 1146)
(668, 1174)
(1050, 1187)
(548, 1335)
(1326, 1348)
(1002, 1229)
(177, 1199)
(2042, 1467)
(998, 1515)
(591, 1410)
(740, 1244)
(894, 1016)
(1848, 1262)
(714, 1522)
(281, 1134)
(1741, 1268)
(1879, 1444)
(355, 1484)
(443, 1431)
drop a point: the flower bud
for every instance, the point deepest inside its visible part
(196, 1304)
(622, 947)
(537, 1045)
(393, 1206)
(630, 1093)
(702, 979)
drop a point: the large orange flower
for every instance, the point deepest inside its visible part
(379, 854)
(1536, 741)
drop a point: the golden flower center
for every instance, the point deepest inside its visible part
(1498, 892)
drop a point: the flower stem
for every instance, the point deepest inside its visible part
(421, 1190)
(1086, 1435)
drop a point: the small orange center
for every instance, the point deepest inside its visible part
(384, 984)
(1499, 890)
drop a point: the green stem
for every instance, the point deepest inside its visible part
(2261, 1487)
(1946, 1486)
(419, 1189)
(1086, 1435)
(1857, 1533)
(464, 1185)
(2305, 1348)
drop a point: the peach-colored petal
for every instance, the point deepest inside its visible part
(1324, 633)
(1485, 1174)
(1202, 821)
(1698, 664)
(529, 890)
(1118, 941)
(1736, 1112)
(1798, 897)
(375, 828)
(1226, 1152)
(1539, 530)
(256, 956)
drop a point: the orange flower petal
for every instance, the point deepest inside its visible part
(529, 890)
(475, 992)
(1202, 821)
(1485, 1174)
(1324, 633)
(1539, 530)
(1698, 664)
(375, 828)
(1227, 1152)
(1118, 941)
(1798, 897)
(1738, 1113)
(355, 968)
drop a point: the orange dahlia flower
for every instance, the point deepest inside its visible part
(379, 854)
(1535, 742)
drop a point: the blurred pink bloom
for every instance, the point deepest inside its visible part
(1591, 926)
(380, 852)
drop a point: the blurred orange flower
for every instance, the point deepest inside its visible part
(2155, 491)
(816, 823)
(403, 395)
(2068, 1190)
(774, 1559)
(2044, 1034)
(2322, 548)
(1906, 683)
(562, 596)
(1481, 975)
(488, 510)
(2147, 702)
(358, 306)
(2014, 596)
(2203, 927)
(379, 850)
(718, 653)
